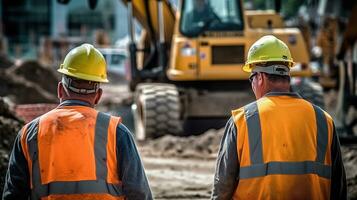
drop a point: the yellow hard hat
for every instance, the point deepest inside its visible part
(85, 62)
(268, 49)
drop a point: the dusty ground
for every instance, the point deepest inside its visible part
(349, 154)
(179, 178)
(181, 168)
(177, 168)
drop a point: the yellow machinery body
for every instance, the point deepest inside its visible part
(216, 55)
(232, 48)
(177, 76)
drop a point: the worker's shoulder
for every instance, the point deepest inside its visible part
(50, 114)
(124, 136)
(123, 130)
(327, 115)
(307, 104)
(29, 129)
(239, 113)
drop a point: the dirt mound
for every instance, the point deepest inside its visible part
(202, 146)
(9, 127)
(349, 155)
(34, 72)
(29, 82)
(5, 62)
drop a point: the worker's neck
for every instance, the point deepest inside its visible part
(277, 87)
(90, 104)
(278, 90)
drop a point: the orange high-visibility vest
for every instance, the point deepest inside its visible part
(284, 148)
(72, 155)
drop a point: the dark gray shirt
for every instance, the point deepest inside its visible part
(131, 170)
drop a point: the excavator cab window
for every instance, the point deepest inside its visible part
(199, 16)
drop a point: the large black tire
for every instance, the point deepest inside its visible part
(309, 90)
(157, 111)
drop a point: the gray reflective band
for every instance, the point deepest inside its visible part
(322, 134)
(32, 132)
(290, 94)
(285, 168)
(259, 169)
(80, 187)
(81, 91)
(254, 133)
(281, 70)
(100, 145)
(31, 138)
(75, 187)
(67, 82)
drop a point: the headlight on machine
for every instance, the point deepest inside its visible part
(187, 50)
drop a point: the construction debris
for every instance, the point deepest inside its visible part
(349, 154)
(203, 146)
(5, 62)
(9, 127)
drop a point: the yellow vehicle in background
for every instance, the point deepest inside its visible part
(189, 64)
(188, 61)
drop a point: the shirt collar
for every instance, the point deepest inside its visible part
(290, 94)
(74, 102)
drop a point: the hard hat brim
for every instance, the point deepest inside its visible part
(249, 66)
(83, 76)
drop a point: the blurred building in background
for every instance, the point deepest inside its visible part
(34, 28)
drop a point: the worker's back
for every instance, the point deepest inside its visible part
(284, 151)
(76, 148)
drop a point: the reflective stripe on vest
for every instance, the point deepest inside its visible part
(77, 187)
(322, 134)
(260, 169)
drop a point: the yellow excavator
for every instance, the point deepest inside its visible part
(188, 61)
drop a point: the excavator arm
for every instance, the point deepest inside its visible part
(146, 13)
(157, 19)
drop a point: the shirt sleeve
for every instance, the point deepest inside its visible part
(338, 174)
(131, 170)
(227, 167)
(17, 180)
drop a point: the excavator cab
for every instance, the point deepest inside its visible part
(200, 16)
(206, 45)
(212, 38)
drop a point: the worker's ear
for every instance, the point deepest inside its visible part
(98, 96)
(60, 90)
(261, 79)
